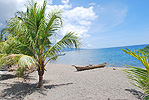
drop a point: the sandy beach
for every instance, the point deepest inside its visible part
(63, 82)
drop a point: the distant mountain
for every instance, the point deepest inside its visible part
(141, 45)
(129, 47)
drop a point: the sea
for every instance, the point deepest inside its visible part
(114, 57)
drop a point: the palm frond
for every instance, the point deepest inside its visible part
(3, 46)
(53, 24)
(23, 63)
(16, 26)
(4, 34)
(26, 64)
(53, 58)
(139, 76)
(15, 46)
(146, 50)
(69, 40)
(140, 56)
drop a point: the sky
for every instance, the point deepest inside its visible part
(99, 23)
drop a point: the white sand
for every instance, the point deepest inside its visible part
(63, 82)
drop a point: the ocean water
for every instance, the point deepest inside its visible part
(113, 56)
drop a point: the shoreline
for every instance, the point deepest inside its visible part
(121, 67)
(63, 82)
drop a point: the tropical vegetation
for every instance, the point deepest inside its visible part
(29, 45)
(3, 34)
(140, 76)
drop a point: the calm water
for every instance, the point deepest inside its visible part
(113, 56)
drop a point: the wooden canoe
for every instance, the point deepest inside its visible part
(89, 67)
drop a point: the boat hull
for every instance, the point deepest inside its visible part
(89, 67)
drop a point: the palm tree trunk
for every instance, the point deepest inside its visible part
(40, 73)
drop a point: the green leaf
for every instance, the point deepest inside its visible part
(139, 76)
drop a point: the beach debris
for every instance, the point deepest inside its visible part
(90, 67)
(114, 68)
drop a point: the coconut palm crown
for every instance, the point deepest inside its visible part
(29, 44)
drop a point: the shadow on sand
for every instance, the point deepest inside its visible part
(10, 76)
(136, 93)
(20, 90)
(6, 77)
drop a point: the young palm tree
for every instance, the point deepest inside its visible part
(139, 76)
(29, 45)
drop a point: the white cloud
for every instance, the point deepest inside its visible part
(80, 30)
(78, 19)
(41, 2)
(53, 7)
(50, 1)
(65, 1)
(8, 8)
(85, 23)
(81, 13)
(92, 4)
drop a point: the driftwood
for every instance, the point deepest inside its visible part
(89, 67)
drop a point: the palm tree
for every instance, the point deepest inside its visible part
(139, 76)
(29, 44)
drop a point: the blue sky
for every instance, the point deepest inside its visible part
(100, 23)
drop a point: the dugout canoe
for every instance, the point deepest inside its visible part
(89, 67)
